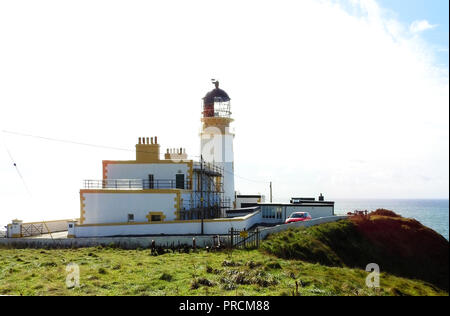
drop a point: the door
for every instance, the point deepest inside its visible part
(179, 179)
(151, 181)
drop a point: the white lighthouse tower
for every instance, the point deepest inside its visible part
(216, 138)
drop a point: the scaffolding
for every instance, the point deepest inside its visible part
(207, 199)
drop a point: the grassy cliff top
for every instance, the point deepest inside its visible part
(109, 271)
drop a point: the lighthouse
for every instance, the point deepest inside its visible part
(216, 142)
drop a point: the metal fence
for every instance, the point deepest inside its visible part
(32, 229)
(244, 238)
(139, 184)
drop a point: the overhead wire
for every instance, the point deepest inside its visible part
(109, 147)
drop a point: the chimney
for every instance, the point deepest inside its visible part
(176, 154)
(146, 151)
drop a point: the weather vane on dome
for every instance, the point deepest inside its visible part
(215, 82)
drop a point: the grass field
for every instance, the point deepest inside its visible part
(110, 271)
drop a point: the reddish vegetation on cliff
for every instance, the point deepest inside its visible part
(400, 246)
(414, 249)
(400, 236)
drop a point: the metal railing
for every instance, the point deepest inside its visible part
(137, 184)
(219, 109)
(208, 168)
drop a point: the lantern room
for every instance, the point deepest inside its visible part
(216, 103)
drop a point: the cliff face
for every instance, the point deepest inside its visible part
(400, 246)
(407, 247)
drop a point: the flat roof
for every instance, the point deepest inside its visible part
(248, 196)
(306, 203)
(243, 209)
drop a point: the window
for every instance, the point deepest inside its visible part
(70, 225)
(268, 211)
(156, 218)
(130, 217)
(272, 211)
(279, 212)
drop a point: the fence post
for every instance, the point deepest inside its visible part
(231, 237)
(153, 246)
(257, 237)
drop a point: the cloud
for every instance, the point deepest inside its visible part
(420, 26)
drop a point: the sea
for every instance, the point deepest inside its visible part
(431, 213)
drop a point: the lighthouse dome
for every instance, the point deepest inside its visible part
(216, 95)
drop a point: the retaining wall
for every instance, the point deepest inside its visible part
(121, 242)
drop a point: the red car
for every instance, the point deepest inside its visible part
(298, 217)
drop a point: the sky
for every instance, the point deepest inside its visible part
(429, 18)
(348, 98)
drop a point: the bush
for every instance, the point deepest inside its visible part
(227, 263)
(251, 264)
(384, 212)
(273, 265)
(102, 271)
(197, 282)
(166, 277)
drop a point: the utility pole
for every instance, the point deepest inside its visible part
(270, 191)
(201, 191)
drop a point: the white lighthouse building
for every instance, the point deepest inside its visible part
(217, 139)
(169, 194)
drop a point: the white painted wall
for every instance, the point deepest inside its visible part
(315, 211)
(71, 228)
(134, 230)
(287, 210)
(218, 226)
(14, 229)
(240, 200)
(218, 149)
(141, 171)
(115, 207)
